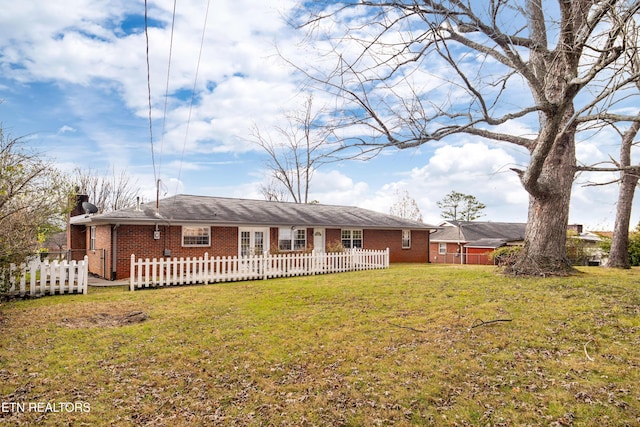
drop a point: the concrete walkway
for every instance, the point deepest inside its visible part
(100, 282)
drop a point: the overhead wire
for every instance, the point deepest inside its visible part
(146, 33)
(193, 94)
(166, 90)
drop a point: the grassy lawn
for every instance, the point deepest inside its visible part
(385, 347)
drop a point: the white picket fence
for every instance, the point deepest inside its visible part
(44, 277)
(183, 271)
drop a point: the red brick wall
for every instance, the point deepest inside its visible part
(77, 241)
(392, 239)
(451, 257)
(333, 238)
(471, 255)
(138, 240)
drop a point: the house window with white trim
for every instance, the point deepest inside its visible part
(92, 238)
(406, 239)
(196, 236)
(442, 248)
(292, 239)
(351, 238)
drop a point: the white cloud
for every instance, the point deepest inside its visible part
(98, 68)
(65, 129)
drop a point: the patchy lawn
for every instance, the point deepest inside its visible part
(402, 346)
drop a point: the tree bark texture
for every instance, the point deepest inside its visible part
(619, 252)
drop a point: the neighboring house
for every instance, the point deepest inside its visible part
(190, 226)
(592, 253)
(471, 242)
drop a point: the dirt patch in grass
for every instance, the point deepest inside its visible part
(105, 320)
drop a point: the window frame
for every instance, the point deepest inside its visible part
(442, 245)
(347, 235)
(92, 238)
(200, 236)
(289, 239)
(406, 239)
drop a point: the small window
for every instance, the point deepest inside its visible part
(406, 239)
(292, 239)
(352, 239)
(196, 236)
(442, 248)
(92, 238)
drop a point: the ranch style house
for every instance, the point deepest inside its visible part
(471, 242)
(190, 226)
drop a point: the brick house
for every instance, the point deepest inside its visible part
(190, 226)
(471, 242)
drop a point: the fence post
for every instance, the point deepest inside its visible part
(32, 285)
(205, 269)
(132, 273)
(85, 275)
(265, 258)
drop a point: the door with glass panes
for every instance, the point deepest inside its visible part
(253, 241)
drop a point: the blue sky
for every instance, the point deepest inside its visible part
(73, 80)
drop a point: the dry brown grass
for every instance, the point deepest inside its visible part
(392, 347)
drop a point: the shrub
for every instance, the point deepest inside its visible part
(506, 255)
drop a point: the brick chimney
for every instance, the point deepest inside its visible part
(77, 234)
(77, 208)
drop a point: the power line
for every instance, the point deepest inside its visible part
(146, 33)
(166, 90)
(193, 94)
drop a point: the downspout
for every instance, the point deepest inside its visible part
(114, 252)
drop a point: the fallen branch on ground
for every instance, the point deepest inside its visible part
(407, 327)
(587, 354)
(489, 322)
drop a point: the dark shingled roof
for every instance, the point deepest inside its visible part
(478, 233)
(222, 211)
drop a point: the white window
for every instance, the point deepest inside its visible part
(92, 238)
(406, 239)
(442, 248)
(292, 239)
(196, 236)
(351, 238)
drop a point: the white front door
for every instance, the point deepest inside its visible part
(253, 241)
(318, 240)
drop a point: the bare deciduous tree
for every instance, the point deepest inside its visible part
(628, 173)
(108, 190)
(406, 207)
(413, 72)
(619, 253)
(294, 154)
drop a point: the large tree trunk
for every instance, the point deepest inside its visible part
(549, 176)
(545, 251)
(619, 253)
